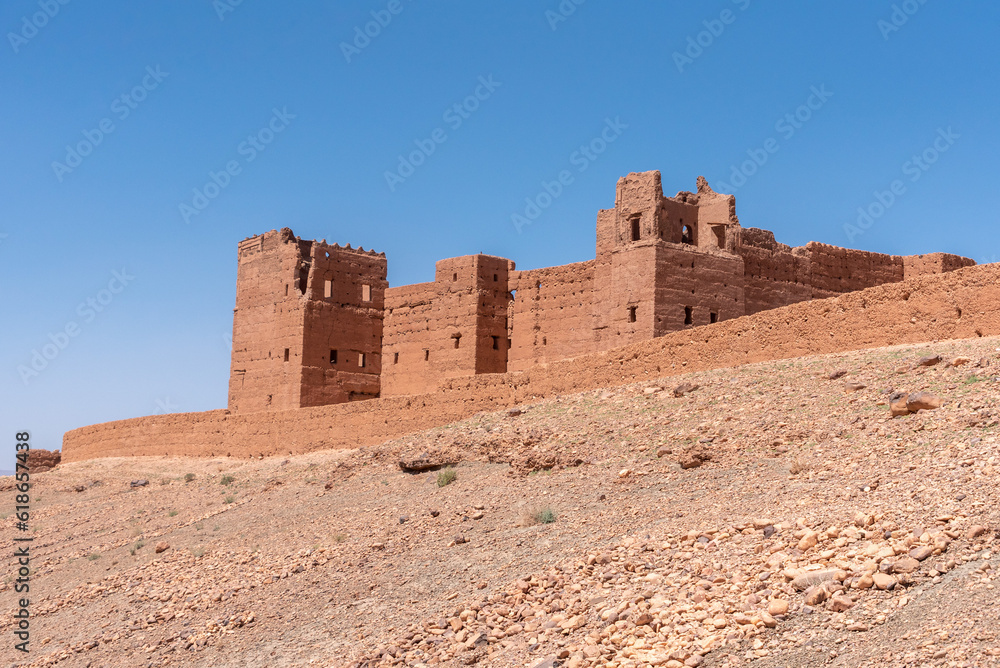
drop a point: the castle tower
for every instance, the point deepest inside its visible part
(665, 263)
(307, 327)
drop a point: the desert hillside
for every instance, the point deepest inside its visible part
(773, 514)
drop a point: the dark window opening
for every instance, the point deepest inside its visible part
(631, 313)
(286, 354)
(333, 357)
(687, 235)
(635, 229)
(457, 339)
(286, 289)
(496, 343)
(720, 235)
(303, 278)
(454, 276)
(496, 278)
(713, 317)
(427, 355)
(687, 315)
(545, 341)
(395, 358)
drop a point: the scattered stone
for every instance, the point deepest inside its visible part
(905, 565)
(514, 412)
(694, 457)
(921, 552)
(162, 547)
(922, 401)
(139, 483)
(685, 388)
(959, 361)
(425, 461)
(816, 595)
(809, 540)
(841, 603)
(897, 404)
(883, 581)
(777, 607)
(854, 387)
(839, 373)
(814, 578)
(929, 361)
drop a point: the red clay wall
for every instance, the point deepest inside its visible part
(446, 329)
(552, 316)
(933, 263)
(962, 304)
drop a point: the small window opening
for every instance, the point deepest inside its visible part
(328, 288)
(687, 237)
(427, 355)
(395, 358)
(635, 229)
(496, 343)
(713, 317)
(687, 315)
(496, 278)
(545, 341)
(286, 354)
(333, 357)
(366, 293)
(457, 339)
(361, 360)
(303, 278)
(454, 277)
(286, 289)
(631, 313)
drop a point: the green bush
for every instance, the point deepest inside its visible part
(446, 477)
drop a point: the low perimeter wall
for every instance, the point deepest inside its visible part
(956, 305)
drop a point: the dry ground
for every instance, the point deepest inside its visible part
(339, 558)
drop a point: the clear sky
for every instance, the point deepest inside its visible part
(141, 141)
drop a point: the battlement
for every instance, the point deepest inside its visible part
(316, 323)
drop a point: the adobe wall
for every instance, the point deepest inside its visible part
(774, 274)
(835, 270)
(297, 302)
(455, 326)
(933, 263)
(266, 321)
(960, 304)
(552, 314)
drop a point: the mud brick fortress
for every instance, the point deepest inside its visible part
(316, 323)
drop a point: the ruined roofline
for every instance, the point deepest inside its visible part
(287, 236)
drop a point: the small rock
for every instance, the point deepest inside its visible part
(435, 513)
(857, 626)
(975, 531)
(768, 620)
(161, 547)
(883, 581)
(425, 461)
(139, 483)
(834, 375)
(694, 457)
(814, 578)
(854, 387)
(651, 390)
(777, 607)
(905, 565)
(808, 541)
(685, 388)
(460, 539)
(897, 404)
(929, 361)
(921, 552)
(478, 515)
(922, 401)
(841, 603)
(816, 595)
(959, 361)
(514, 412)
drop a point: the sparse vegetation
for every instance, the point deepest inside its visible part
(227, 480)
(339, 538)
(188, 477)
(139, 544)
(533, 516)
(446, 477)
(230, 498)
(198, 552)
(93, 556)
(172, 513)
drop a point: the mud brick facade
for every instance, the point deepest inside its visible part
(316, 324)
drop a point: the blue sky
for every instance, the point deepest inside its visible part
(115, 114)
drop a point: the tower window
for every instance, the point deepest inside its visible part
(631, 313)
(635, 228)
(457, 339)
(361, 360)
(366, 293)
(496, 343)
(328, 288)
(454, 277)
(333, 357)
(713, 317)
(286, 354)
(286, 289)
(687, 235)
(427, 355)
(687, 315)
(496, 277)
(395, 358)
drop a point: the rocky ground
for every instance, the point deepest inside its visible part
(777, 514)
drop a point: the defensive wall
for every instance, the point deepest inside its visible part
(927, 307)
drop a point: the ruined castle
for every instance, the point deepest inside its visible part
(316, 323)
